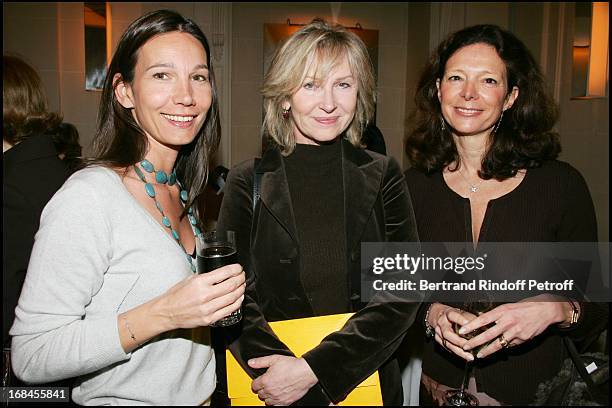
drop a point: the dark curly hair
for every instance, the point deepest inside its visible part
(524, 139)
(25, 112)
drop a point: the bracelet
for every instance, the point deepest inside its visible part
(575, 312)
(127, 326)
(574, 315)
(430, 332)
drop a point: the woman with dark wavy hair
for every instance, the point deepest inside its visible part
(484, 153)
(34, 142)
(111, 295)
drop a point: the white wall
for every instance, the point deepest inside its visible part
(31, 30)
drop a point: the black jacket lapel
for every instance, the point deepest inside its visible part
(275, 190)
(362, 178)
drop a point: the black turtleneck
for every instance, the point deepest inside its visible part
(314, 175)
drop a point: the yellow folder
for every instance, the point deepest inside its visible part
(301, 335)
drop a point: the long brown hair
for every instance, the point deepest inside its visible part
(24, 103)
(25, 112)
(120, 142)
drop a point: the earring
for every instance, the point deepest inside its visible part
(286, 112)
(443, 125)
(498, 123)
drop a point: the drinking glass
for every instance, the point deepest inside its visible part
(461, 397)
(215, 249)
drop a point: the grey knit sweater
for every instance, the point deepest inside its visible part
(97, 254)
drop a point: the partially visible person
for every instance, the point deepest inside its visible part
(322, 195)
(39, 152)
(111, 295)
(484, 162)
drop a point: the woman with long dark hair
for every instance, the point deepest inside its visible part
(111, 295)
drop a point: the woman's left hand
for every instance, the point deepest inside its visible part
(515, 323)
(286, 380)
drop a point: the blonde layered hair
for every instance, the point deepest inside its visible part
(317, 48)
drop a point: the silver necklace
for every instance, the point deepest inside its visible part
(473, 188)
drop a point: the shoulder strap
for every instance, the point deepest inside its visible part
(579, 363)
(256, 183)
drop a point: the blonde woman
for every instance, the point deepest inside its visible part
(322, 195)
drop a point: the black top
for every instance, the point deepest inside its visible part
(32, 174)
(314, 175)
(552, 204)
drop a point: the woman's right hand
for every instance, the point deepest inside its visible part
(441, 317)
(201, 300)
(196, 301)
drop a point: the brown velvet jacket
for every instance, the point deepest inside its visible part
(377, 209)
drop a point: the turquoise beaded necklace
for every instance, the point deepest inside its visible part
(162, 178)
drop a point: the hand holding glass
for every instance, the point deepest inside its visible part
(214, 250)
(461, 397)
